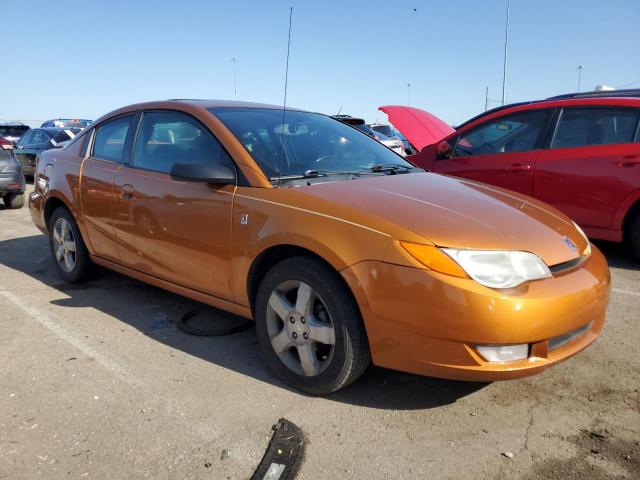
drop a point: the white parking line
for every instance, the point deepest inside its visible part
(627, 292)
(46, 321)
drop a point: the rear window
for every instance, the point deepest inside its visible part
(13, 131)
(383, 129)
(580, 127)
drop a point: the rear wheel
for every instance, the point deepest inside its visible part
(67, 247)
(14, 200)
(309, 327)
(634, 236)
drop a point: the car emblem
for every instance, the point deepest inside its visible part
(569, 243)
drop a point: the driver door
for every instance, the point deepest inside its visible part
(176, 230)
(499, 152)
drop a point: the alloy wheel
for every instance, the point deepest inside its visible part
(300, 328)
(64, 245)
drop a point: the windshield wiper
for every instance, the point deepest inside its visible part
(390, 167)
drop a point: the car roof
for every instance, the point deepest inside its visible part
(206, 103)
(611, 97)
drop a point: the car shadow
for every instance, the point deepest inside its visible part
(157, 312)
(618, 255)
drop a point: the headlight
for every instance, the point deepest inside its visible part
(500, 269)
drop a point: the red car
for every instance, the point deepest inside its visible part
(578, 152)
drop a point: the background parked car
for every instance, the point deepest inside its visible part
(12, 131)
(578, 152)
(391, 133)
(12, 183)
(38, 140)
(67, 123)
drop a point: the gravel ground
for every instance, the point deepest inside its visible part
(97, 382)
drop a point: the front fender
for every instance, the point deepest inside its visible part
(258, 225)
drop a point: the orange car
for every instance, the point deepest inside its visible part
(341, 251)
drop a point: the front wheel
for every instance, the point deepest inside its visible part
(309, 327)
(67, 247)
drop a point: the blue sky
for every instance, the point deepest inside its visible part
(83, 59)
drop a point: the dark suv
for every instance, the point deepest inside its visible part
(12, 183)
(12, 131)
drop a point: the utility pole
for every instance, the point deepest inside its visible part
(580, 68)
(408, 94)
(235, 61)
(506, 43)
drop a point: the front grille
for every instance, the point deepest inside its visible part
(560, 340)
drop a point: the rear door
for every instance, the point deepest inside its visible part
(175, 230)
(109, 150)
(500, 151)
(592, 163)
(20, 148)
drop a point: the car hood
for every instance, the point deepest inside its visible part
(448, 212)
(419, 127)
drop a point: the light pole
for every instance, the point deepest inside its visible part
(580, 68)
(506, 43)
(408, 94)
(235, 61)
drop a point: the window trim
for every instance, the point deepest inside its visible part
(240, 178)
(540, 141)
(94, 132)
(561, 110)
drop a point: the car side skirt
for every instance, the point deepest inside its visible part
(207, 299)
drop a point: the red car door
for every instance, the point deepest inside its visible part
(501, 151)
(592, 164)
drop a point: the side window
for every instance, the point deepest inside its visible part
(167, 138)
(26, 138)
(110, 138)
(519, 132)
(579, 127)
(39, 138)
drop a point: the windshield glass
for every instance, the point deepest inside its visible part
(383, 129)
(304, 142)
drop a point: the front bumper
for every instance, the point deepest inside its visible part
(423, 322)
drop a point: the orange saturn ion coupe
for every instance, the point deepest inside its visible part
(341, 251)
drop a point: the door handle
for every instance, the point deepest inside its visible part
(126, 191)
(629, 161)
(519, 167)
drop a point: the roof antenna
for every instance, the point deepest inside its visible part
(339, 110)
(284, 104)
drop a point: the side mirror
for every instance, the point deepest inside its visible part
(197, 172)
(443, 150)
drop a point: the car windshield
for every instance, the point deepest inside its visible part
(305, 142)
(13, 131)
(67, 122)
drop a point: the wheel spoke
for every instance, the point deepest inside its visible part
(68, 261)
(59, 252)
(56, 235)
(321, 332)
(280, 305)
(303, 301)
(64, 229)
(281, 342)
(308, 360)
(70, 245)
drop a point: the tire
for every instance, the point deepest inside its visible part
(14, 200)
(74, 264)
(327, 367)
(634, 236)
